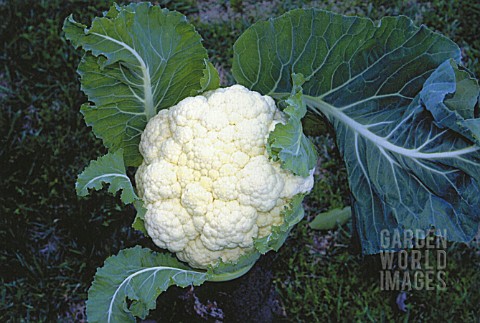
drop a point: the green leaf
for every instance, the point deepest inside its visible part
(451, 95)
(129, 283)
(331, 219)
(292, 215)
(287, 142)
(108, 169)
(229, 271)
(138, 275)
(211, 79)
(408, 166)
(139, 59)
(139, 222)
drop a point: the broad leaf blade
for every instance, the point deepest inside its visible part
(139, 275)
(139, 59)
(342, 58)
(108, 169)
(406, 170)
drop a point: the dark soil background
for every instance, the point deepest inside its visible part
(251, 298)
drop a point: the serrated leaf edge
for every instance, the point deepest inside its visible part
(157, 268)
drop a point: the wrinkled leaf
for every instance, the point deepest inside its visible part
(108, 169)
(138, 275)
(129, 283)
(287, 142)
(139, 59)
(458, 111)
(407, 167)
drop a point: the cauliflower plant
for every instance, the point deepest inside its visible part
(207, 181)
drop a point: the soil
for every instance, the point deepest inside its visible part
(250, 298)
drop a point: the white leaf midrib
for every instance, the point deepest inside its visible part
(130, 277)
(97, 178)
(364, 131)
(147, 83)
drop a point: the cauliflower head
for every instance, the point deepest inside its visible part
(207, 182)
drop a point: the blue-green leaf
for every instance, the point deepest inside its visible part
(136, 275)
(409, 138)
(108, 169)
(458, 111)
(129, 283)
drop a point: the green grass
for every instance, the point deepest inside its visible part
(321, 277)
(48, 252)
(52, 241)
(319, 280)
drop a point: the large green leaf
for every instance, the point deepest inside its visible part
(129, 283)
(408, 168)
(108, 169)
(139, 59)
(136, 276)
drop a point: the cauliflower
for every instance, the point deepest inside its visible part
(207, 182)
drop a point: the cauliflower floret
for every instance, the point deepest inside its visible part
(156, 132)
(207, 182)
(198, 256)
(260, 184)
(169, 225)
(160, 181)
(229, 225)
